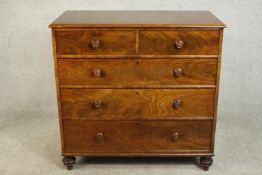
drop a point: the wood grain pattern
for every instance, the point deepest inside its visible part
(133, 104)
(217, 89)
(137, 83)
(76, 19)
(137, 72)
(111, 42)
(57, 89)
(138, 56)
(138, 87)
(137, 136)
(164, 42)
(185, 153)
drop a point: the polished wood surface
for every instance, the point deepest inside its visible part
(217, 89)
(69, 161)
(206, 162)
(137, 19)
(57, 90)
(137, 136)
(181, 42)
(137, 72)
(82, 42)
(137, 83)
(133, 104)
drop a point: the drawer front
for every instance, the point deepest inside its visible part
(82, 42)
(179, 42)
(137, 103)
(137, 72)
(137, 136)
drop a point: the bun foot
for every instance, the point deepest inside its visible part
(69, 167)
(69, 161)
(205, 162)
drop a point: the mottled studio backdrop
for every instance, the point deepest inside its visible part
(27, 84)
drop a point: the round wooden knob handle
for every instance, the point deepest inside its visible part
(178, 72)
(97, 72)
(99, 137)
(177, 104)
(179, 44)
(97, 104)
(175, 136)
(95, 43)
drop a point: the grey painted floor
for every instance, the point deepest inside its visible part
(34, 148)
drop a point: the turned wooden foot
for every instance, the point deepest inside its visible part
(69, 161)
(205, 162)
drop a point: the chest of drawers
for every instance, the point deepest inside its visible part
(137, 83)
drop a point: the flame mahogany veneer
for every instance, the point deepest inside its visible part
(137, 83)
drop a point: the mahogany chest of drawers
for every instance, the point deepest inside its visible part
(137, 83)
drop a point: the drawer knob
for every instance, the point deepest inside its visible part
(177, 104)
(99, 137)
(178, 72)
(179, 44)
(97, 104)
(95, 43)
(175, 136)
(97, 72)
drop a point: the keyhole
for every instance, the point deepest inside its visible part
(137, 93)
(137, 62)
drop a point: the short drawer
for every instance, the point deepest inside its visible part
(84, 42)
(137, 103)
(137, 72)
(179, 42)
(82, 136)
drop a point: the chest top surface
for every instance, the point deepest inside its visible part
(137, 19)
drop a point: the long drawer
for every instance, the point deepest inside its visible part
(137, 72)
(184, 42)
(137, 103)
(136, 136)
